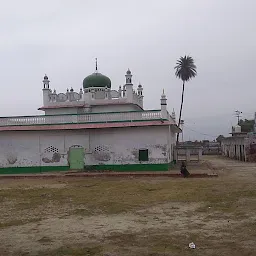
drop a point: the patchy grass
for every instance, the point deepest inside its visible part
(168, 243)
(116, 196)
(128, 217)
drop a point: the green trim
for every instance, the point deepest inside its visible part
(103, 122)
(114, 168)
(84, 114)
(129, 167)
(172, 164)
(32, 169)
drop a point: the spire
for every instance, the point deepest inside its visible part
(163, 95)
(96, 64)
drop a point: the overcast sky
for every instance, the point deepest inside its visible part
(62, 38)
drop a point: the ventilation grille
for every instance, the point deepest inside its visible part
(101, 149)
(51, 149)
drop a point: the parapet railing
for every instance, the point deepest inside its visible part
(83, 118)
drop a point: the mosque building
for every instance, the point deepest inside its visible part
(97, 128)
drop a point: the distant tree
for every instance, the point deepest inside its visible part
(246, 125)
(185, 70)
(220, 138)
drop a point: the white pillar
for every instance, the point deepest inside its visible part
(140, 95)
(46, 98)
(129, 92)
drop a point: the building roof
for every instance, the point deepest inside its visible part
(87, 126)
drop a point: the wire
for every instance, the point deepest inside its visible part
(205, 134)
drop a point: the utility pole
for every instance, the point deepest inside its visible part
(238, 114)
(182, 127)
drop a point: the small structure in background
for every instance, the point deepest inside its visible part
(211, 147)
(188, 151)
(234, 146)
(241, 145)
(193, 150)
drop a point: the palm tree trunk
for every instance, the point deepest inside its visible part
(181, 106)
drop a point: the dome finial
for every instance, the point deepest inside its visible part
(96, 64)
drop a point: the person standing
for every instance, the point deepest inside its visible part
(183, 170)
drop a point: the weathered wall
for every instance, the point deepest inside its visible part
(250, 147)
(188, 153)
(19, 149)
(240, 148)
(234, 147)
(115, 146)
(121, 146)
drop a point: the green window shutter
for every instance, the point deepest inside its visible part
(143, 155)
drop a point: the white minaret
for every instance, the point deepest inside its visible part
(140, 95)
(81, 93)
(164, 106)
(129, 86)
(54, 95)
(46, 90)
(120, 92)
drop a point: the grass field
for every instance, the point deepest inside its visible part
(145, 216)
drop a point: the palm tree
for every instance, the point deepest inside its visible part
(185, 70)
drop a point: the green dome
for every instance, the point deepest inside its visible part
(96, 80)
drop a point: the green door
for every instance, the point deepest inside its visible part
(76, 158)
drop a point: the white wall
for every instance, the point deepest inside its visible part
(102, 146)
(115, 108)
(19, 149)
(94, 109)
(22, 148)
(121, 146)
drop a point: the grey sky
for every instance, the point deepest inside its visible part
(62, 38)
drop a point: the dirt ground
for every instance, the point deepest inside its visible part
(132, 216)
